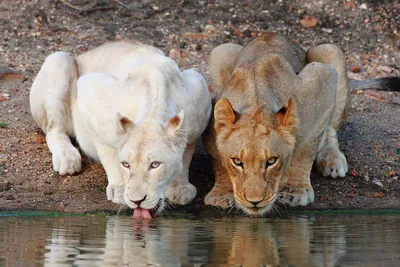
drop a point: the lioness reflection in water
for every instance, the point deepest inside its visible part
(243, 242)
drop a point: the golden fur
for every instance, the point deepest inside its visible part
(276, 108)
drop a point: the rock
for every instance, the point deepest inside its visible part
(385, 69)
(363, 6)
(7, 75)
(379, 195)
(198, 36)
(210, 29)
(175, 53)
(377, 182)
(327, 30)
(355, 69)
(309, 22)
(350, 4)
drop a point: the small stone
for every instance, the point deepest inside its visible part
(83, 37)
(198, 36)
(185, 54)
(385, 69)
(210, 29)
(61, 206)
(11, 110)
(363, 6)
(175, 53)
(379, 195)
(355, 69)
(309, 22)
(350, 4)
(327, 30)
(377, 182)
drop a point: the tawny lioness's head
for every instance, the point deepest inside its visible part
(255, 149)
(150, 159)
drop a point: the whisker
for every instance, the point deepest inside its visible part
(121, 208)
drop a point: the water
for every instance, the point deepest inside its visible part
(335, 240)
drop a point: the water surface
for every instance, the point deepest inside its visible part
(334, 240)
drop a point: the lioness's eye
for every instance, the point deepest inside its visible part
(126, 165)
(237, 162)
(155, 164)
(271, 161)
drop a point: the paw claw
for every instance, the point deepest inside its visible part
(181, 194)
(331, 162)
(115, 193)
(67, 160)
(296, 195)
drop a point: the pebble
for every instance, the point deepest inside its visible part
(308, 22)
(377, 182)
(327, 30)
(210, 28)
(175, 53)
(385, 69)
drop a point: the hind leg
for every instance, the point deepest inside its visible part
(330, 161)
(50, 102)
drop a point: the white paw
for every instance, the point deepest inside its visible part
(331, 162)
(67, 160)
(296, 196)
(181, 194)
(115, 193)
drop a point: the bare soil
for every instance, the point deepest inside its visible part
(367, 31)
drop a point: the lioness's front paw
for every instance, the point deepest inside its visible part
(219, 199)
(331, 162)
(181, 194)
(296, 195)
(115, 193)
(67, 160)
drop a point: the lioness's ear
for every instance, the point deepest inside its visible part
(224, 115)
(175, 123)
(287, 121)
(123, 124)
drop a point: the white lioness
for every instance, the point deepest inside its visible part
(131, 108)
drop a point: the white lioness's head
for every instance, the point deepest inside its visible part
(150, 159)
(255, 149)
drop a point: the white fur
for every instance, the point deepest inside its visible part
(84, 96)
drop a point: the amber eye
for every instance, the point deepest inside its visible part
(271, 161)
(155, 165)
(237, 162)
(126, 165)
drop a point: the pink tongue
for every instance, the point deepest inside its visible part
(141, 213)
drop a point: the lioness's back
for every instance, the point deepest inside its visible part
(108, 57)
(272, 43)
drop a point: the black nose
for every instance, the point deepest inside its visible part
(137, 202)
(255, 203)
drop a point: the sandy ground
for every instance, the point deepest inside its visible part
(367, 31)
